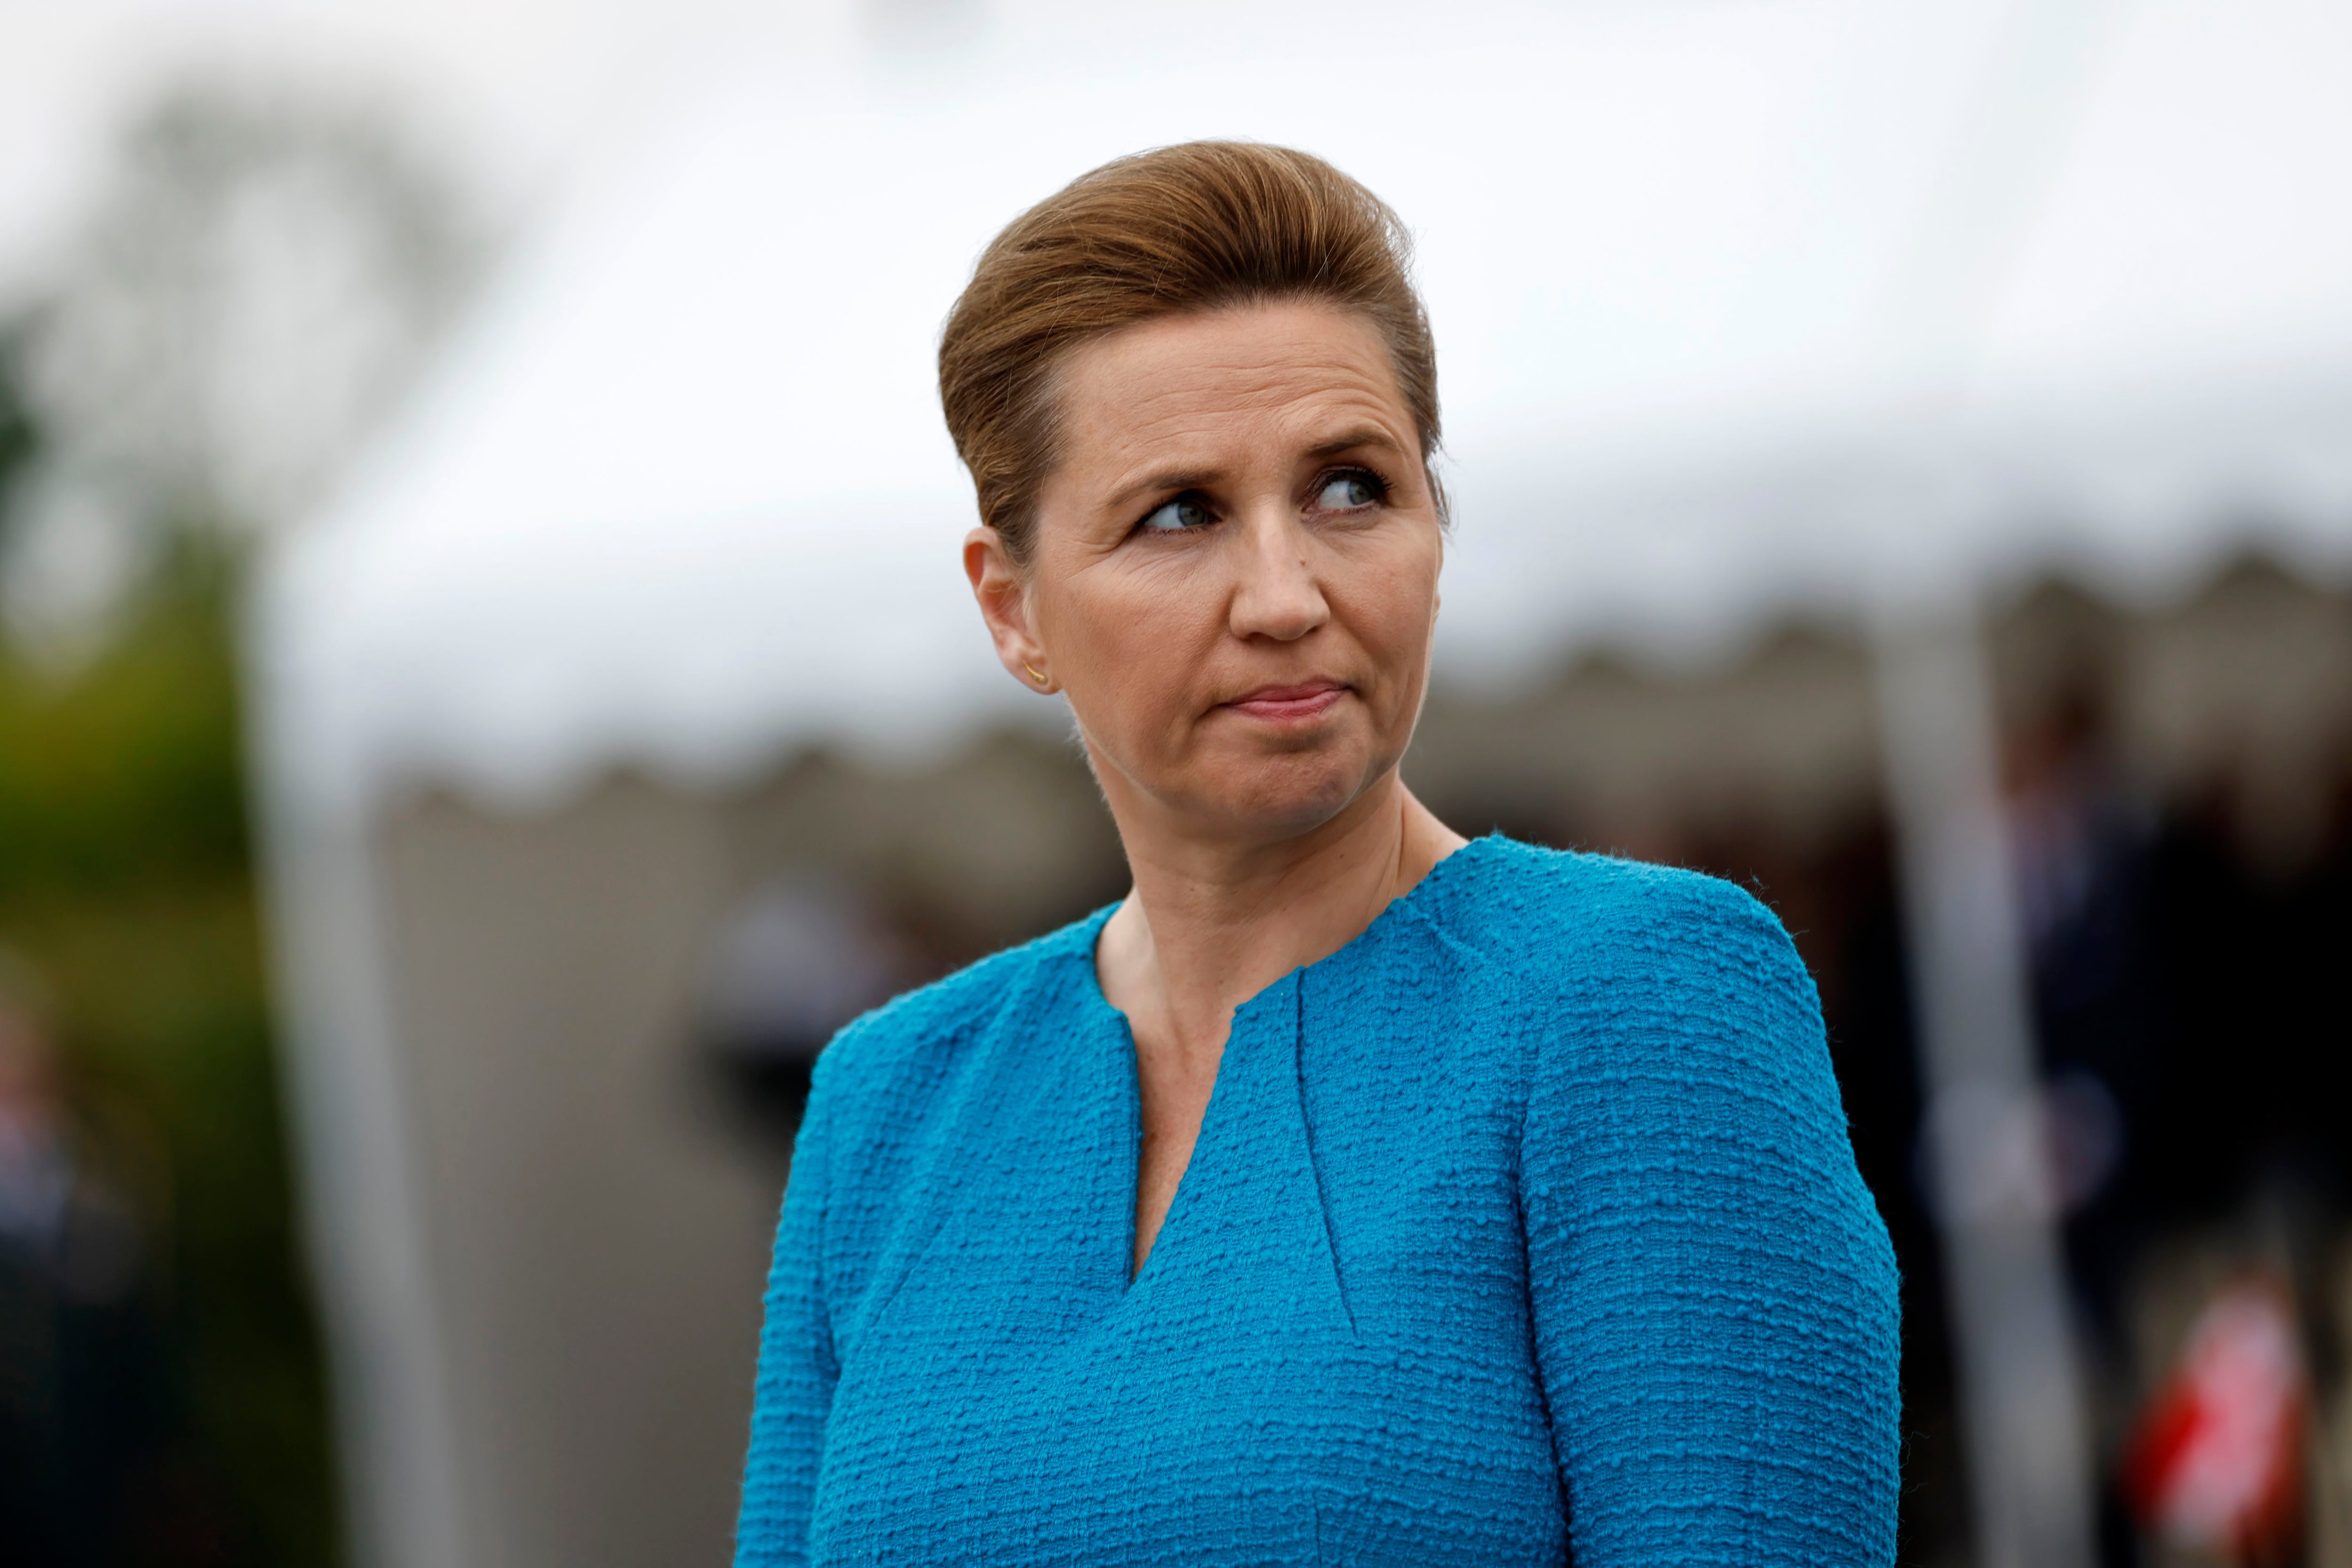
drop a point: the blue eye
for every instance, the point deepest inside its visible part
(1344, 492)
(1175, 516)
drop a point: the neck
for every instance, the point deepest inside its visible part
(1212, 923)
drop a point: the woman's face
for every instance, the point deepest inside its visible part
(1234, 570)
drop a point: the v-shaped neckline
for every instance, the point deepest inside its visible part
(1111, 1020)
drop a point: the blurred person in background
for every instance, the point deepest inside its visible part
(1349, 1190)
(79, 1424)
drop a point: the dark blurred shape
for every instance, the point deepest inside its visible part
(796, 959)
(2084, 846)
(2217, 1462)
(82, 1425)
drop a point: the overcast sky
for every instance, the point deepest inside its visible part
(521, 93)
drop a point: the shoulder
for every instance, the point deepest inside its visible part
(900, 1054)
(1624, 968)
(1564, 915)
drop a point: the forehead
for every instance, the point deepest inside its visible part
(1270, 372)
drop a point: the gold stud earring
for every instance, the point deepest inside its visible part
(1036, 675)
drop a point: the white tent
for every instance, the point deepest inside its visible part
(1741, 309)
(1707, 281)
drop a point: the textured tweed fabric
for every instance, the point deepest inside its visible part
(1522, 1229)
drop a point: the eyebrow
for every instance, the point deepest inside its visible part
(1175, 481)
(1353, 440)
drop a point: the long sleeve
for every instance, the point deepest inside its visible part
(797, 1368)
(1714, 1296)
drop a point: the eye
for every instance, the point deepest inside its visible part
(1176, 516)
(1346, 492)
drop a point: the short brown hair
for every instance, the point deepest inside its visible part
(1192, 227)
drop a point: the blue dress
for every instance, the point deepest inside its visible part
(1523, 1229)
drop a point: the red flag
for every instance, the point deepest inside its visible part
(2217, 1461)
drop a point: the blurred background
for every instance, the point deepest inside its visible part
(486, 689)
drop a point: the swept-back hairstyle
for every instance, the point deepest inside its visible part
(1192, 227)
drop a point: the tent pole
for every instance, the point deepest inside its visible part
(2020, 1389)
(353, 1136)
(368, 1250)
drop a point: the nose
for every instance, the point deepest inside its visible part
(1278, 595)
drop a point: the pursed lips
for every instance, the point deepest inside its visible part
(1310, 699)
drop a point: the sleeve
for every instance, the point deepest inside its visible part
(797, 1369)
(1714, 1296)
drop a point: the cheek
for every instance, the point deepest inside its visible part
(1136, 637)
(1391, 608)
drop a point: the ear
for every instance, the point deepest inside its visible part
(1002, 593)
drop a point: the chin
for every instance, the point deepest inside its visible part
(1284, 797)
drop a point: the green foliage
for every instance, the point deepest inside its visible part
(125, 881)
(128, 774)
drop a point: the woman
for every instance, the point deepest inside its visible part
(1349, 1193)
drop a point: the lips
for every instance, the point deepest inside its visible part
(1282, 704)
